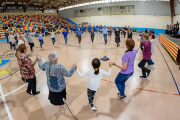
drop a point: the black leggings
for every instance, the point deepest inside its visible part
(92, 38)
(91, 95)
(31, 85)
(31, 46)
(144, 69)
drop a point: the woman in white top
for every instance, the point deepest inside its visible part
(52, 36)
(151, 38)
(94, 80)
(12, 40)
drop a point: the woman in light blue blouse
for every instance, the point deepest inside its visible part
(55, 79)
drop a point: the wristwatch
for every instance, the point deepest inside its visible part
(114, 63)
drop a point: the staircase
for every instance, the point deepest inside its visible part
(63, 19)
(71, 22)
(2, 32)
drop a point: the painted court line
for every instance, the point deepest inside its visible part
(22, 85)
(168, 68)
(145, 89)
(5, 104)
(4, 100)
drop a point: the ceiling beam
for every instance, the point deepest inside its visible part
(45, 5)
(28, 3)
(172, 10)
(5, 3)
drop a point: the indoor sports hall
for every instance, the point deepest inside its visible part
(89, 60)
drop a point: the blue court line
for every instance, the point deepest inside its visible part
(9, 75)
(3, 62)
(169, 69)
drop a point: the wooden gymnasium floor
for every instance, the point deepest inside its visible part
(153, 99)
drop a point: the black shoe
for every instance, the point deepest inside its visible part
(37, 92)
(29, 92)
(119, 94)
(149, 73)
(143, 77)
(123, 97)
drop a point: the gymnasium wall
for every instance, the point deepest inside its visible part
(143, 21)
(28, 13)
(148, 14)
(176, 7)
(158, 8)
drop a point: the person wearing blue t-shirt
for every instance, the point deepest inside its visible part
(78, 34)
(65, 33)
(92, 35)
(77, 28)
(89, 28)
(105, 32)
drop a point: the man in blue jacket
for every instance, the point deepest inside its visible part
(105, 32)
(79, 33)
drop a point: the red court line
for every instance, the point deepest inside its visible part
(145, 89)
(153, 91)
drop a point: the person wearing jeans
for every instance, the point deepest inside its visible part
(65, 33)
(105, 32)
(41, 42)
(92, 35)
(53, 36)
(146, 56)
(127, 67)
(29, 37)
(40, 38)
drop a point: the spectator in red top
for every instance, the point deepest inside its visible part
(27, 69)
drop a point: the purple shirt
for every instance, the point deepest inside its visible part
(129, 58)
(146, 50)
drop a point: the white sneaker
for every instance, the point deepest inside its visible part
(94, 108)
(53, 45)
(66, 44)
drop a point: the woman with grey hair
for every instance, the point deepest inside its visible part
(55, 79)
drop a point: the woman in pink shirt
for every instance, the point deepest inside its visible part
(146, 56)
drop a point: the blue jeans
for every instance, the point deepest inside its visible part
(150, 62)
(105, 38)
(65, 38)
(41, 42)
(120, 81)
(53, 40)
(10, 44)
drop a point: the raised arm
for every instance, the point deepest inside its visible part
(66, 72)
(44, 32)
(41, 66)
(82, 75)
(107, 74)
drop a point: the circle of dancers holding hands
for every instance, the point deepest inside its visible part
(16, 38)
(56, 72)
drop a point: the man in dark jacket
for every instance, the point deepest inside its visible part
(7, 36)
